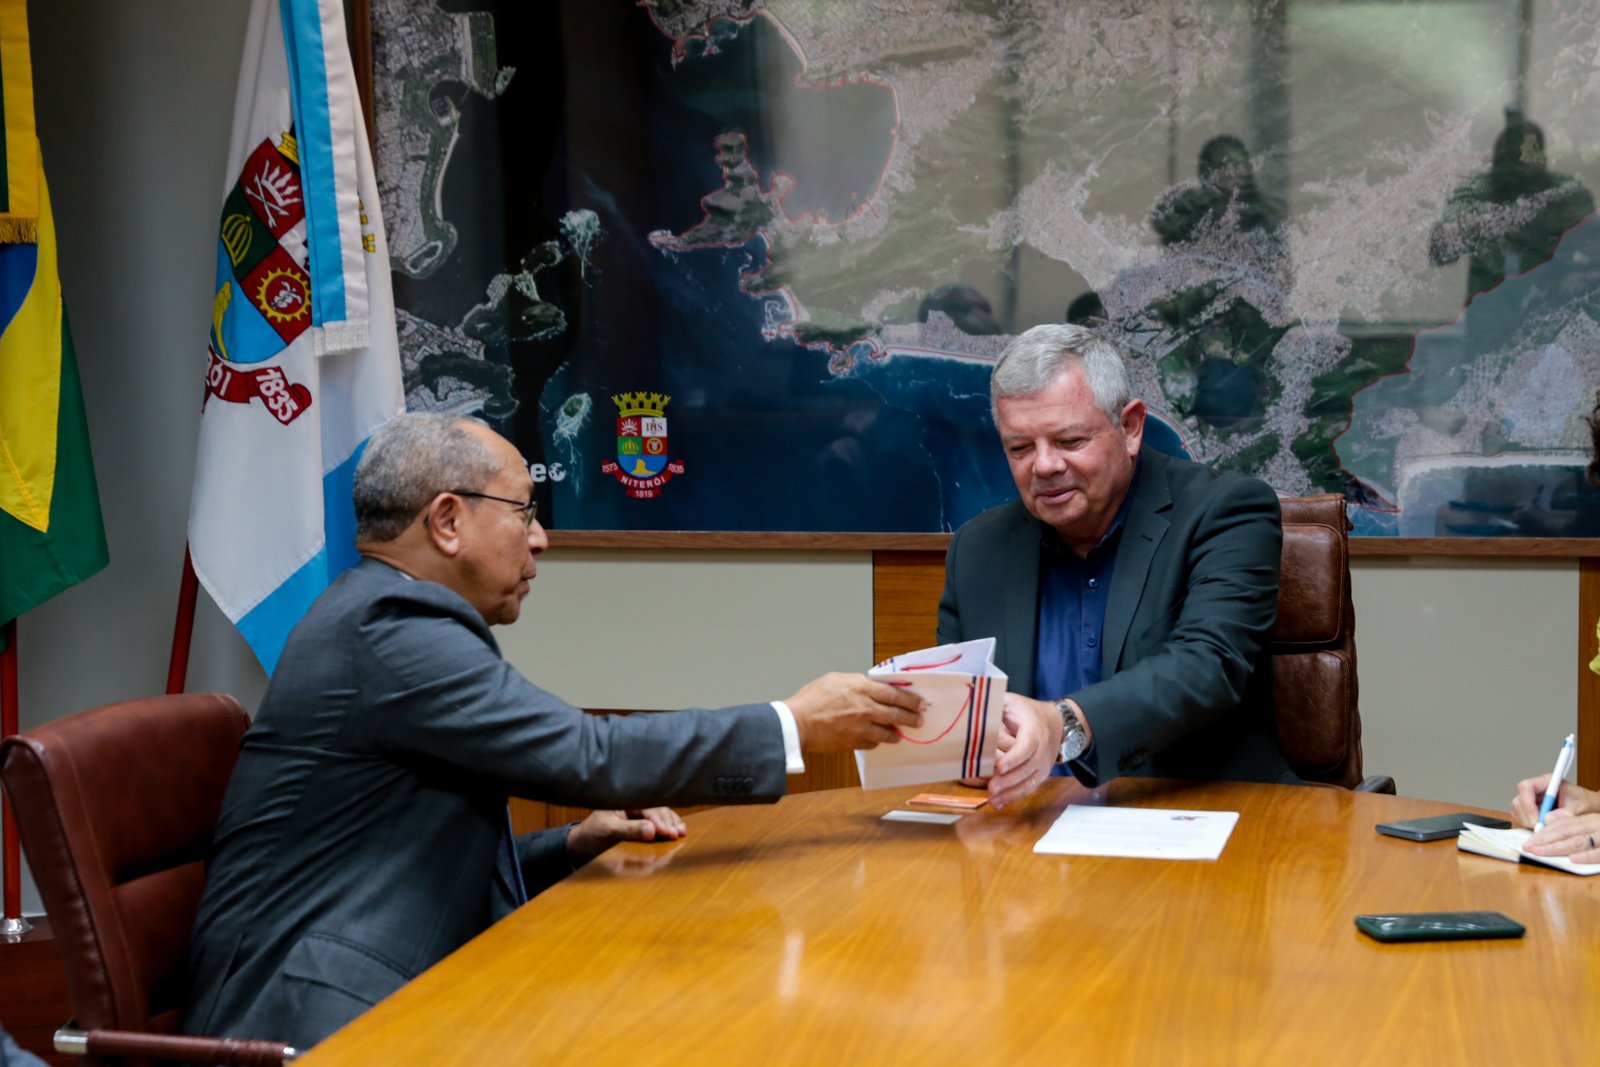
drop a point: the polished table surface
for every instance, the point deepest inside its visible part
(815, 932)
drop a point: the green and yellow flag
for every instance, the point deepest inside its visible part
(22, 183)
(51, 534)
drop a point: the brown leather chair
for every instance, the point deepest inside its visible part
(115, 808)
(1313, 646)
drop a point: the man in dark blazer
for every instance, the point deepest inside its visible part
(1130, 593)
(364, 834)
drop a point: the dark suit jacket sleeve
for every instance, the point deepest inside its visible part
(1196, 656)
(442, 693)
(544, 858)
(949, 609)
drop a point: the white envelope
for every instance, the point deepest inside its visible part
(961, 729)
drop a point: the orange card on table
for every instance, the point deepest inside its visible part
(948, 800)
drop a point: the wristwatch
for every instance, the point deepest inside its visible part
(1074, 738)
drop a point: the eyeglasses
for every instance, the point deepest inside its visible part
(529, 508)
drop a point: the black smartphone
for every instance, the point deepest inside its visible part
(1439, 926)
(1439, 827)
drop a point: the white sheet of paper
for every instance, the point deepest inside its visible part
(1139, 833)
(966, 657)
(942, 818)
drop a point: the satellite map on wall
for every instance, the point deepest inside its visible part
(744, 266)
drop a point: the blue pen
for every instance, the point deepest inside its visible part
(1563, 761)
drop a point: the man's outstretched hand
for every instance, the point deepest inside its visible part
(839, 712)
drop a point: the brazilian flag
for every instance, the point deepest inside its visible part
(51, 534)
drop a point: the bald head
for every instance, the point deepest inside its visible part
(408, 461)
(448, 500)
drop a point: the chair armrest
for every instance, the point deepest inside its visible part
(131, 1044)
(1376, 783)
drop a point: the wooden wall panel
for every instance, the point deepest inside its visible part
(529, 815)
(1588, 681)
(905, 601)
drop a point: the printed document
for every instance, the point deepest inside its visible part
(1139, 833)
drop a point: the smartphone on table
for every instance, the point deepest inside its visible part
(1439, 827)
(1439, 926)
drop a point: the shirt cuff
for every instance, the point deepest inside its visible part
(793, 761)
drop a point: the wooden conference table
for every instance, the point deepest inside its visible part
(814, 932)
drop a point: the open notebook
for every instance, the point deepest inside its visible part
(1507, 845)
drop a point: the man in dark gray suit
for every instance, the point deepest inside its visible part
(1131, 593)
(364, 834)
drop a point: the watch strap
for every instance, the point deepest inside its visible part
(1074, 738)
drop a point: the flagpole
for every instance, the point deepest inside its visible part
(183, 627)
(12, 924)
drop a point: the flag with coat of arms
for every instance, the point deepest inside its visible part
(303, 362)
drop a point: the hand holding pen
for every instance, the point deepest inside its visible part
(1569, 798)
(1553, 788)
(1573, 828)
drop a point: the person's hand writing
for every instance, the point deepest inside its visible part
(1572, 800)
(602, 829)
(839, 712)
(1030, 737)
(1566, 834)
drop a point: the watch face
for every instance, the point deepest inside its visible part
(1072, 734)
(1072, 745)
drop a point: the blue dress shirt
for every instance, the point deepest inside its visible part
(1073, 593)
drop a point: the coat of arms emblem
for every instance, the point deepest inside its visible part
(642, 464)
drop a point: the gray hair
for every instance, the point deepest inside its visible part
(1036, 357)
(408, 461)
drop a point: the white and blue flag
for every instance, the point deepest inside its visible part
(303, 363)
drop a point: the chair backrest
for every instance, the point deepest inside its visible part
(1313, 644)
(116, 807)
